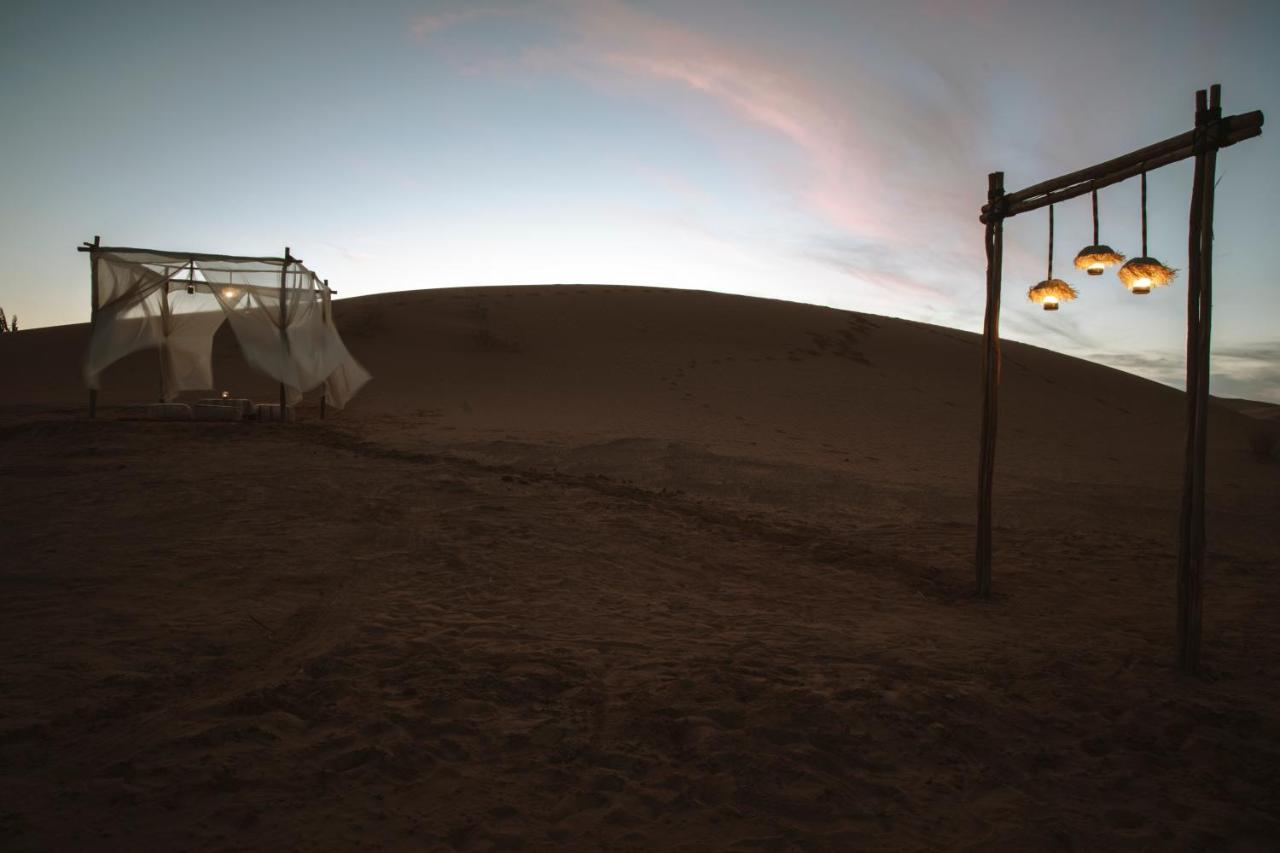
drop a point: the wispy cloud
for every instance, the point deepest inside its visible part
(1165, 367)
(426, 24)
(1247, 370)
(1239, 370)
(838, 167)
(877, 265)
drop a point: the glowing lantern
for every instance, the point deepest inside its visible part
(230, 293)
(1096, 258)
(1142, 274)
(1051, 291)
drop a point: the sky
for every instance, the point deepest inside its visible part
(834, 153)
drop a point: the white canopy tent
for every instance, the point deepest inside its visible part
(175, 301)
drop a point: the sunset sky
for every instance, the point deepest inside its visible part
(824, 152)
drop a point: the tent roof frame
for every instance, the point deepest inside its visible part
(193, 256)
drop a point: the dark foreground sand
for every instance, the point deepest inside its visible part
(615, 568)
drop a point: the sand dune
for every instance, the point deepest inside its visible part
(629, 568)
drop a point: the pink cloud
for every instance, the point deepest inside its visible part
(839, 167)
(867, 187)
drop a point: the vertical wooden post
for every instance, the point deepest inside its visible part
(284, 322)
(1199, 540)
(324, 397)
(1191, 536)
(93, 313)
(1187, 512)
(166, 322)
(990, 380)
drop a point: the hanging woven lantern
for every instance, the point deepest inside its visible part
(1051, 291)
(1096, 258)
(1142, 274)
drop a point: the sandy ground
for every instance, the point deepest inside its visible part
(621, 568)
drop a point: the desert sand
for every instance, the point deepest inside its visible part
(631, 569)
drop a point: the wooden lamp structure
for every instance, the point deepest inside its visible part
(1211, 132)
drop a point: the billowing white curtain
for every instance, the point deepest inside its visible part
(348, 377)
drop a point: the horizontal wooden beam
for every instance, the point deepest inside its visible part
(184, 256)
(237, 271)
(1122, 175)
(1229, 131)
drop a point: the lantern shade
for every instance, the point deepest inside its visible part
(1095, 259)
(1050, 292)
(1141, 274)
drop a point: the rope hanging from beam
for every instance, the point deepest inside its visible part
(1095, 212)
(1049, 277)
(1144, 212)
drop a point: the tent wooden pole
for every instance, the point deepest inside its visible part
(324, 398)
(166, 319)
(990, 383)
(284, 321)
(93, 312)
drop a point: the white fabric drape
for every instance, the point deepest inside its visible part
(177, 303)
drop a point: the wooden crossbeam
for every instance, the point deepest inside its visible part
(1224, 132)
(186, 256)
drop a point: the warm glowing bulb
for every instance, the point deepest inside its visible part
(1051, 303)
(226, 394)
(1095, 268)
(230, 293)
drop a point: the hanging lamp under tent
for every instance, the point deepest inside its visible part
(1142, 274)
(1051, 291)
(1097, 257)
